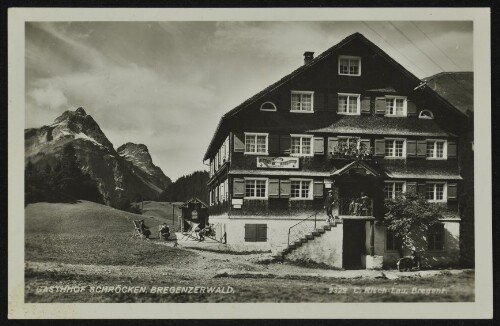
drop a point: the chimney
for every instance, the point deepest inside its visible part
(308, 57)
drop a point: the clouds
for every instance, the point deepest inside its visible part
(166, 84)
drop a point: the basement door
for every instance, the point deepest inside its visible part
(354, 243)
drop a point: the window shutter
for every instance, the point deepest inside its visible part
(411, 187)
(285, 144)
(365, 105)
(239, 142)
(238, 188)
(250, 232)
(261, 235)
(319, 101)
(421, 148)
(274, 144)
(452, 149)
(333, 142)
(319, 145)
(421, 188)
(332, 102)
(411, 148)
(452, 191)
(379, 147)
(284, 188)
(365, 143)
(411, 108)
(274, 188)
(318, 189)
(380, 105)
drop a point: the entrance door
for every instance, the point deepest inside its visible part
(354, 243)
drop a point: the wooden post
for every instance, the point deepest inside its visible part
(372, 238)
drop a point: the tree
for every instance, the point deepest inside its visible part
(409, 213)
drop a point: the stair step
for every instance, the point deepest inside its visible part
(320, 230)
(334, 224)
(298, 243)
(315, 233)
(327, 227)
(303, 240)
(292, 247)
(310, 237)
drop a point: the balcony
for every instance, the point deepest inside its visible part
(352, 151)
(356, 206)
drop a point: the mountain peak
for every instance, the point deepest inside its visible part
(81, 111)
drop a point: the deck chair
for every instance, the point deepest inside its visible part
(189, 233)
(137, 229)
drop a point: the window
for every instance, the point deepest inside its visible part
(435, 237)
(255, 188)
(268, 106)
(301, 145)
(255, 143)
(349, 104)
(435, 192)
(426, 114)
(395, 106)
(436, 149)
(302, 101)
(350, 66)
(395, 148)
(255, 232)
(300, 189)
(392, 242)
(348, 141)
(392, 189)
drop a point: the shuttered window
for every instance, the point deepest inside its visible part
(392, 242)
(255, 188)
(395, 106)
(302, 101)
(255, 232)
(436, 149)
(394, 188)
(301, 189)
(301, 145)
(435, 237)
(349, 65)
(349, 104)
(255, 143)
(435, 192)
(395, 148)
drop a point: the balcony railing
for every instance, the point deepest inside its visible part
(356, 206)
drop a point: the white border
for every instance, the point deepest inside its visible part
(481, 308)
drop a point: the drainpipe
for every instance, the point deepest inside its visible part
(372, 238)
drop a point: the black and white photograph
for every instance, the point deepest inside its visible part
(229, 160)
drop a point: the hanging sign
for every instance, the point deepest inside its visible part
(278, 162)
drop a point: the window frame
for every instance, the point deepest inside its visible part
(387, 232)
(445, 192)
(311, 137)
(349, 57)
(358, 103)
(394, 188)
(255, 197)
(394, 98)
(311, 93)
(394, 148)
(310, 192)
(255, 134)
(420, 116)
(266, 110)
(428, 236)
(435, 141)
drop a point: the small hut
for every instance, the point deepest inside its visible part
(196, 211)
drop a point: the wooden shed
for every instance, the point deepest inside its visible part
(196, 211)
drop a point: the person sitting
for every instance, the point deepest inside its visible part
(164, 231)
(144, 229)
(206, 231)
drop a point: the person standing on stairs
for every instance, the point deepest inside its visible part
(329, 202)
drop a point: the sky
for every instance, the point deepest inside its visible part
(166, 84)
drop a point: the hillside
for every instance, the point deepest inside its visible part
(116, 177)
(90, 233)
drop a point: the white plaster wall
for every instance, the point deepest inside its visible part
(277, 231)
(430, 259)
(325, 249)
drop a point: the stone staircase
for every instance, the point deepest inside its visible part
(305, 239)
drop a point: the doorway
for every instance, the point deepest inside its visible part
(354, 243)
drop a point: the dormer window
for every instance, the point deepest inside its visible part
(426, 114)
(302, 101)
(268, 106)
(395, 106)
(349, 65)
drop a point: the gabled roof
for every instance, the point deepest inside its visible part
(316, 60)
(356, 165)
(194, 200)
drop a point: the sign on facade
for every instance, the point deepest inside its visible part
(278, 162)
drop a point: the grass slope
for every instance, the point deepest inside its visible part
(163, 210)
(90, 233)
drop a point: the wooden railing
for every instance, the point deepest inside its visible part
(303, 228)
